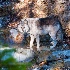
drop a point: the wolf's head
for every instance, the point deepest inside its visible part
(23, 26)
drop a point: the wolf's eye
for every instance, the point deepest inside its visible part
(24, 27)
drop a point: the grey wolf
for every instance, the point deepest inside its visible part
(41, 26)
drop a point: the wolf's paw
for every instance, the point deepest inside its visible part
(52, 48)
(31, 49)
(38, 49)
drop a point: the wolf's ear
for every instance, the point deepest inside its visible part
(25, 21)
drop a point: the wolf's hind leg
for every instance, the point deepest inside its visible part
(54, 40)
(59, 35)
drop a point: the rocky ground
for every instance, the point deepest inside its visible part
(57, 59)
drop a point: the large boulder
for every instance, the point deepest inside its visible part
(21, 55)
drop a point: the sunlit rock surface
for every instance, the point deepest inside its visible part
(21, 55)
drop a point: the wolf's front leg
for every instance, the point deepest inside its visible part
(38, 42)
(31, 42)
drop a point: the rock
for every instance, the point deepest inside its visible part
(67, 62)
(54, 60)
(42, 55)
(37, 68)
(21, 55)
(1, 49)
(16, 36)
(56, 55)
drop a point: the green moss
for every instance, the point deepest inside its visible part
(5, 45)
(16, 66)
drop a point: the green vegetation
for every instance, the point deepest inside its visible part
(9, 63)
(5, 45)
